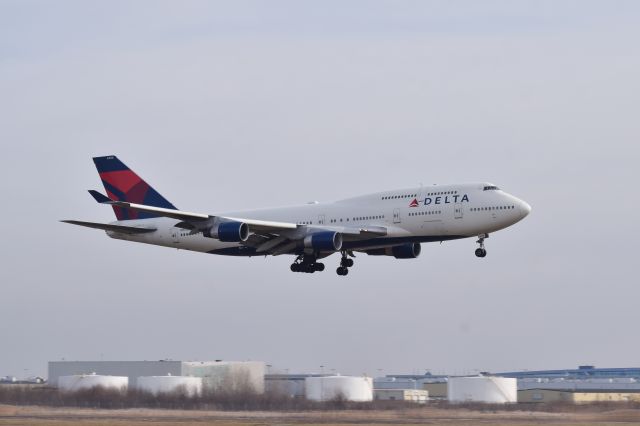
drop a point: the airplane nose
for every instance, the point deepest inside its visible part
(525, 208)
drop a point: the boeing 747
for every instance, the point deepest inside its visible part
(387, 223)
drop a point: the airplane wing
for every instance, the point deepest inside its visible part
(357, 232)
(116, 228)
(268, 237)
(193, 218)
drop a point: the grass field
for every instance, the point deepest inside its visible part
(44, 416)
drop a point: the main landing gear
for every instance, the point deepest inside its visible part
(307, 264)
(345, 264)
(481, 251)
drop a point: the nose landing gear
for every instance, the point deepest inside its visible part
(345, 264)
(481, 251)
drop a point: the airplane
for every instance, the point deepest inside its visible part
(387, 223)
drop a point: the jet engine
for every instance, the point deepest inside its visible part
(324, 241)
(403, 251)
(232, 232)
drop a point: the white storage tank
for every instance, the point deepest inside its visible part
(191, 386)
(331, 387)
(488, 389)
(88, 381)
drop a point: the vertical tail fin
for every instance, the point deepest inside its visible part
(122, 184)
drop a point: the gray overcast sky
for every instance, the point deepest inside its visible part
(229, 105)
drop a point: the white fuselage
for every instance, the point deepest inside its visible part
(423, 214)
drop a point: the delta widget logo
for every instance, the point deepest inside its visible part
(447, 199)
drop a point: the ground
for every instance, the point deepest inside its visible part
(44, 416)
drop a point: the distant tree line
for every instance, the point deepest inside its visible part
(247, 399)
(236, 400)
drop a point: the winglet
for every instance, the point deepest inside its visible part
(102, 199)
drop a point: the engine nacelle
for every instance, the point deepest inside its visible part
(406, 251)
(403, 251)
(324, 241)
(231, 232)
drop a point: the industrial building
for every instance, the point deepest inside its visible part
(190, 386)
(550, 395)
(581, 385)
(401, 382)
(435, 386)
(12, 380)
(88, 381)
(582, 372)
(585, 385)
(437, 390)
(231, 375)
(408, 395)
(578, 391)
(293, 385)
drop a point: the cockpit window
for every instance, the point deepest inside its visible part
(490, 188)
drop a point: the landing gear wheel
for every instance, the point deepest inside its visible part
(345, 263)
(306, 264)
(481, 252)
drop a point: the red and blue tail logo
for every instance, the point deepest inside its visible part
(122, 184)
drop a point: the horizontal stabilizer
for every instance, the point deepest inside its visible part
(99, 197)
(115, 228)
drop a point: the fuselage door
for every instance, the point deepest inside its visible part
(396, 215)
(321, 219)
(175, 235)
(457, 211)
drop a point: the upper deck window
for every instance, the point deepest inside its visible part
(490, 188)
